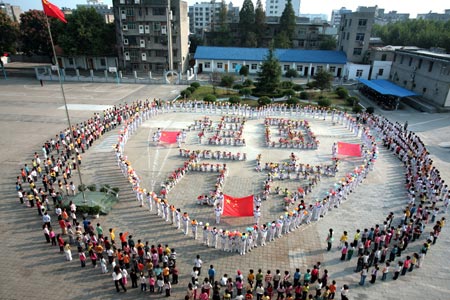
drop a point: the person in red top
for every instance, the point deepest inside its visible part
(123, 239)
(60, 243)
(332, 289)
(62, 225)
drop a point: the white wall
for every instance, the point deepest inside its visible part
(351, 71)
(381, 65)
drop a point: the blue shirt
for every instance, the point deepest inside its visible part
(211, 272)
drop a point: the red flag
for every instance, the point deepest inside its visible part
(349, 149)
(238, 207)
(52, 10)
(169, 136)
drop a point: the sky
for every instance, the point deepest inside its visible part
(306, 7)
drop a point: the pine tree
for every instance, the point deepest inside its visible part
(246, 20)
(287, 21)
(269, 74)
(260, 23)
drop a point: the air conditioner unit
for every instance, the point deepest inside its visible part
(125, 27)
(141, 29)
(163, 29)
(127, 55)
(144, 56)
(125, 41)
(142, 43)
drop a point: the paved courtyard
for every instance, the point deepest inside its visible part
(31, 114)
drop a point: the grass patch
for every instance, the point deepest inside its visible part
(204, 90)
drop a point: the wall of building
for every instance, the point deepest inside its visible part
(304, 69)
(87, 62)
(380, 69)
(424, 75)
(354, 35)
(356, 71)
(276, 7)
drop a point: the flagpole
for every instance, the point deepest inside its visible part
(65, 104)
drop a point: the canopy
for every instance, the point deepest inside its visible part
(386, 87)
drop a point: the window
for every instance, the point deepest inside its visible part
(71, 61)
(332, 69)
(359, 73)
(254, 66)
(348, 36)
(219, 65)
(299, 68)
(159, 11)
(350, 23)
(362, 22)
(383, 57)
(380, 72)
(233, 66)
(424, 90)
(430, 66)
(420, 64)
(285, 67)
(360, 36)
(207, 65)
(131, 25)
(357, 51)
(130, 12)
(156, 26)
(410, 61)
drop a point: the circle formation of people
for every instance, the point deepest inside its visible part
(62, 155)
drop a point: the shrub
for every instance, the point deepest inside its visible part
(195, 85)
(311, 85)
(286, 85)
(293, 101)
(227, 80)
(82, 187)
(342, 92)
(248, 82)
(264, 100)
(291, 73)
(185, 93)
(191, 89)
(297, 87)
(92, 187)
(234, 99)
(245, 91)
(357, 109)
(94, 210)
(325, 102)
(243, 71)
(370, 110)
(304, 95)
(238, 86)
(210, 98)
(289, 93)
(352, 101)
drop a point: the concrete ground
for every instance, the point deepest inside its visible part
(31, 114)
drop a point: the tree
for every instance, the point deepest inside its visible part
(260, 23)
(87, 34)
(243, 71)
(328, 43)
(9, 34)
(291, 73)
(283, 41)
(322, 79)
(227, 80)
(195, 41)
(287, 20)
(221, 35)
(34, 33)
(246, 20)
(269, 74)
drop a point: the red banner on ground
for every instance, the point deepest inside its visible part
(238, 207)
(169, 136)
(349, 149)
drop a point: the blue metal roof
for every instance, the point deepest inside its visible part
(386, 87)
(259, 54)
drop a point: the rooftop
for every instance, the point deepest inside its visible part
(259, 54)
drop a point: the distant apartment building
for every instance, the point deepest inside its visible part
(12, 11)
(274, 8)
(423, 72)
(316, 18)
(205, 16)
(435, 16)
(383, 18)
(336, 16)
(150, 36)
(354, 33)
(102, 9)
